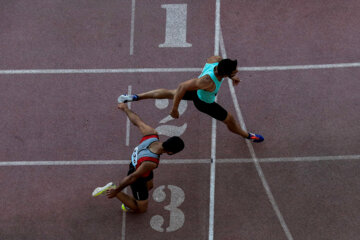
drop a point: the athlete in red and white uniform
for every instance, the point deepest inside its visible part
(144, 160)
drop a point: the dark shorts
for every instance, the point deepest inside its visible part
(213, 109)
(139, 188)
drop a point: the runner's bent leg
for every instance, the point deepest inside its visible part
(234, 127)
(150, 184)
(142, 205)
(130, 202)
(219, 113)
(161, 93)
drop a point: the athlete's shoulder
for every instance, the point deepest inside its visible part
(214, 59)
(150, 136)
(205, 79)
(206, 83)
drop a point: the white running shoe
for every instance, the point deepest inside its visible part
(100, 190)
(126, 98)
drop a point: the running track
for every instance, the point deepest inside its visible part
(63, 64)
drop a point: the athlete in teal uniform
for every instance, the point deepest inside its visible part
(202, 91)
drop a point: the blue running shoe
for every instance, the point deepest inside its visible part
(255, 137)
(127, 98)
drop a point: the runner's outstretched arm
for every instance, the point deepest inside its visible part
(128, 180)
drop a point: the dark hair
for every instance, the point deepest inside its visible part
(173, 144)
(226, 67)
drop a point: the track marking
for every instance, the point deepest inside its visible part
(252, 153)
(217, 28)
(127, 139)
(182, 161)
(64, 163)
(213, 135)
(97, 71)
(302, 67)
(212, 180)
(123, 226)
(95, 162)
(292, 159)
(175, 27)
(132, 27)
(159, 70)
(123, 229)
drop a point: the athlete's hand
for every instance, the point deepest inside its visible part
(110, 193)
(122, 106)
(235, 80)
(174, 113)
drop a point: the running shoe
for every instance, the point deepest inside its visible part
(255, 137)
(127, 98)
(125, 208)
(100, 190)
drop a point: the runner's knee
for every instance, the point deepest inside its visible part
(229, 118)
(150, 185)
(172, 92)
(142, 206)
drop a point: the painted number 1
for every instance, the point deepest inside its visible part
(175, 34)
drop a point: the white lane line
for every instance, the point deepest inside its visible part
(292, 159)
(132, 27)
(252, 153)
(96, 162)
(217, 28)
(212, 180)
(167, 70)
(123, 227)
(127, 139)
(184, 161)
(88, 71)
(300, 67)
(213, 135)
(64, 163)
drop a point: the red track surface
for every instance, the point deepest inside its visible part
(72, 117)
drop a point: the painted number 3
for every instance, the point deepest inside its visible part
(177, 217)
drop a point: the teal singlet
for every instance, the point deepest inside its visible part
(206, 96)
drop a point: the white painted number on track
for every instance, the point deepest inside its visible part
(175, 34)
(177, 217)
(170, 130)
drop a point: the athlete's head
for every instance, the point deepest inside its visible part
(227, 67)
(173, 145)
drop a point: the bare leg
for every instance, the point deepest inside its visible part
(234, 127)
(158, 94)
(150, 184)
(129, 201)
(132, 203)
